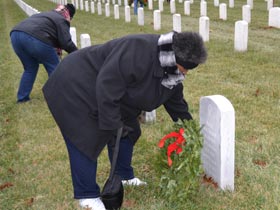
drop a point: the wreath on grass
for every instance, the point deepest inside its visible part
(179, 161)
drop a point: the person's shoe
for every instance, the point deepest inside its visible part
(23, 100)
(133, 182)
(92, 203)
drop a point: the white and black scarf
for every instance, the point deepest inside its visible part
(168, 62)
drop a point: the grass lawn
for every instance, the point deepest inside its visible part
(34, 167)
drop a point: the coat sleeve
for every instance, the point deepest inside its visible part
(176, 106)
(64, 36)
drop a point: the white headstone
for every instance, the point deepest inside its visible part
(231, 3)
(86, 6)
(217, 119)
(127, 14)
(85, 40)
(73, 34)
(223, 11)
(241, 35)
(251, 3)
(140, 15)
(157, 20)
(150, 4)
(99, 8)
(187, 9)
(203, 8)
(107, 10)
(269, 4)
(116, 12)
(177, 23)
(172, 6)
(216, 3)
(77, 4)
(92, 7)
(160, 5)
(150, 117)
(81, 4)
(246, 13)
(204, 25)
(274, 17)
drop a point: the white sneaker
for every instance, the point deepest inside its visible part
(133, 182)
(92, 203)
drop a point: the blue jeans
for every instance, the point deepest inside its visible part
(135, 3)
(31, 53)
(83, 170)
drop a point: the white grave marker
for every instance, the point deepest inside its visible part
(150, 4)
(216, 3)
(77, 4)
(217, 119)
(160, 5)
(231, 3)
(86, 6)
(140, 15)
(92, 7)
(241, 35)
(149, 117)
(85, 40)
(107, 10)
(81, 4)
(172, 6)
(157, 20)
(223, 11)
(187, 10)
(99, 8)
(246, 13)
(177, 23)
(203, 8)
(204, 25)
(269, 4)
(127, 14)
(274, 17)
(73, 34)
(116, 12)
(251, 3)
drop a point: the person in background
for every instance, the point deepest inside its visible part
(39, 40)
(96, 90)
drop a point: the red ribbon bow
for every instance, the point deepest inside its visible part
(175, 146)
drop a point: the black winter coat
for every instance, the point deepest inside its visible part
(49, 27)
(97, 89)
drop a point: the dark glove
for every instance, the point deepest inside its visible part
(126, 130)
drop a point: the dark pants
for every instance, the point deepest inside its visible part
(83, 170)
(31, 53)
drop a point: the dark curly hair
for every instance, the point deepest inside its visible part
(189, 47)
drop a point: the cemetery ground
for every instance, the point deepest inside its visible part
(34, 167)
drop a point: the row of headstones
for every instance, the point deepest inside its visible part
(241, 27)
(240, 37)
(217, 118)
(274, 20)
(26, 8)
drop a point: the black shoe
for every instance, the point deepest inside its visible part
(23, 100)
